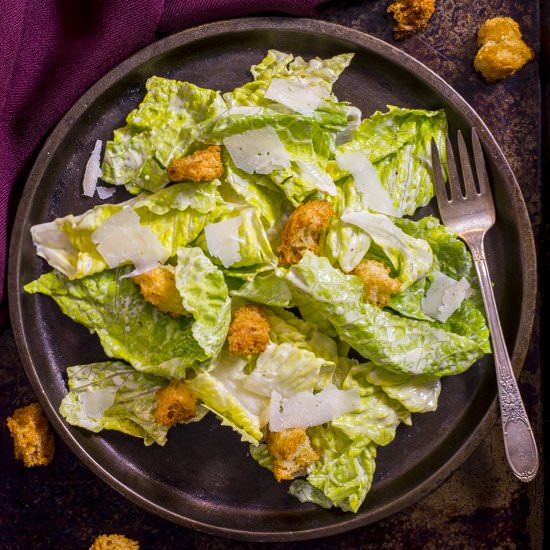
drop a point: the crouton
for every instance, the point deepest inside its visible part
(379, 286)
(249, 330)
(502, 52)
(303, 230)
(33, 439)
(292, 452)
(158, 287)
(202, 165)
(176, 402)
(114, 542)
(410, 16)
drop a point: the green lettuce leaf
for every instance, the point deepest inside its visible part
(398, 143)
(205, 295)
(175, 215)
(112, 395)
(173, 119)
(411, 257)
(128, 327)
(345, 244)
(389, 340)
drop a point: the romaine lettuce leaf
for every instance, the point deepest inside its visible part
(173, 119)
(111, 395)
(128, 327)
(398, 143)
(411, 257)
(267, 288)
(175, 215)
(395, 342)
(205, 295)
(345, 244)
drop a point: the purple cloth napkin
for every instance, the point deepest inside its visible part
(52, 51)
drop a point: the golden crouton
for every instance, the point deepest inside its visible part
(379, 286)
(158, 287)
(410, 16)
(303, 230)
(502, 51)
(175, 403)
(33, 439)
(292, 451)
(202, 165)
(114, 542)
(249, 330)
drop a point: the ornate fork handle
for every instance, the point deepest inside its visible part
(519, 442)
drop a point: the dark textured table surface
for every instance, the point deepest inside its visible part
(481, 505)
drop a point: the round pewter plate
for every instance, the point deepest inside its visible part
(204, 477)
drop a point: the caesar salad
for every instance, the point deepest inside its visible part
(270, 267)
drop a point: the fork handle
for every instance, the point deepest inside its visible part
(519, 442)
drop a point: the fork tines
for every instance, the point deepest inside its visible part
(468, 185)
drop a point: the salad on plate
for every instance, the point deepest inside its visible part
(270, 267)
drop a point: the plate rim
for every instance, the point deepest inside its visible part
(299, 25)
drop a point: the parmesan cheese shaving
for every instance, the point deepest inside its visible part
(93, 171)
(223, 241)
(121, 238)
(298, 95)
(306, 408)
(105, 192)
(367, 181)
(258, 151)
(444, 296)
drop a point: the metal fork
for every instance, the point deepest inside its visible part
(469, 210)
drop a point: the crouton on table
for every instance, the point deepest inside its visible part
(33, 440)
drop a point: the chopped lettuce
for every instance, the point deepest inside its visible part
(204, 294)
(175, 216)
(114, 396)
(173, 119)
(395, 342)
(346, 371)
(128, 327)
(398, 143)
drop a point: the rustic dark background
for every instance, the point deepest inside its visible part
(481, 505)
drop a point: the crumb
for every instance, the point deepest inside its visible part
(410, 16)
(158, 287)
(114, 542)
(303, 230)
(33, 439)
(249, 330)
(292, 451)
(502, 51)
(202, 165)
(379, 286)
(176, 402)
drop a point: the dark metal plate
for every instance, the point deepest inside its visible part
(204, 478)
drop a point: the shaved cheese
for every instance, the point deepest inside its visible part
(298, 95)
(223, 241)
(306, 408)
(93, 404)
(246, 110)
(258, 151)
(105, 192)
(121, 238)
(93, 171)
(444, 296)
(367, 181)
(54, 245)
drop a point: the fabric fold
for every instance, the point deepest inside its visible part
(52, 52)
